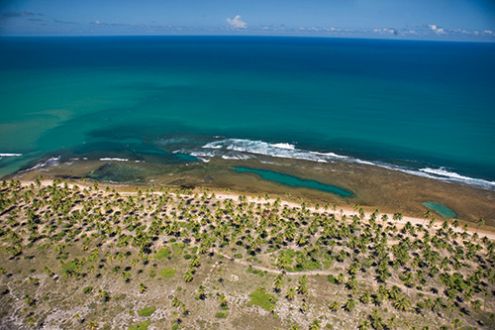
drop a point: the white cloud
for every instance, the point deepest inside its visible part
(237, 22)
(437, 29)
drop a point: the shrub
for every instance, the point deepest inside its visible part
(146, 311)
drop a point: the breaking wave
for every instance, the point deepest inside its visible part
(442, 173)
(279, 150)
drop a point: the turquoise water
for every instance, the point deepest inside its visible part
(441, 209)
(420, 106)
(294, 181)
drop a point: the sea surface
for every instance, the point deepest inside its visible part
(426, 108)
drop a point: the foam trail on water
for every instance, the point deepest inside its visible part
(9, 154)
(109, 159)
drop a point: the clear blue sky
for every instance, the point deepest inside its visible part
(418, 19)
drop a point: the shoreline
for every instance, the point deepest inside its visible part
(238, 149)
(373, 187)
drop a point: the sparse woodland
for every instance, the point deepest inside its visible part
(90, 257)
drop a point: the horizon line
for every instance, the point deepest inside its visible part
(433, 40)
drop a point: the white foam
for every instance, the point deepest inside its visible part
(204, 154)
(364, 162)
(53, 161)
(284, 146)
(440, 174)
(109, 159)
(235, 157)
(279, 150)
(8, 154)
(443, 173)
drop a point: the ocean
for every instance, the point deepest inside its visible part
(426, 108)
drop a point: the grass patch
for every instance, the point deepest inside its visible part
(140, 326)
(263, 299)
(221, 314)
(167, 272)
(71, 268)
(308, 264)
(296, 261)
(146, 311)
(163, 253)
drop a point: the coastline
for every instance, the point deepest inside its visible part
(373, 187)
(431, 222)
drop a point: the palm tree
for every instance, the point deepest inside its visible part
(401, 303)
(302, 287)
(364, 325)
(349, 305)
(291, 294)
(277, 284)
(315, 325)
(334, 306)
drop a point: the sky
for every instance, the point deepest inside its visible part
(410, 19)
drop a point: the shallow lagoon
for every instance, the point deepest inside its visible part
(440, 209)
(294, 181)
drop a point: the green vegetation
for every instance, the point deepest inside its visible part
(221, 314)
(146, 311)
(263, 299)
(71, 268)
(167, 272)
(163, 253)
(66, 247)
(140, 326)
(88, 289)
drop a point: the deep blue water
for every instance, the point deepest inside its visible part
(426, 106)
